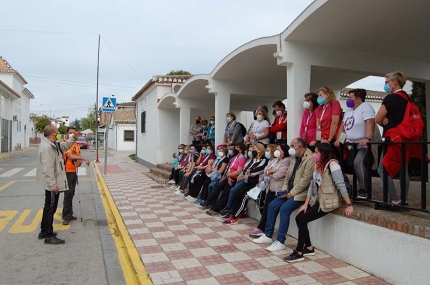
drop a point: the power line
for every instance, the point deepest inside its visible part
(47, 32)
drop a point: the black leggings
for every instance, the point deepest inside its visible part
(270, 196)
(302, 220)
(204, 192)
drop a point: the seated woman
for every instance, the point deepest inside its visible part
(182, 165)
(260, 128)
(199, 174)
(213, 173)
(248, 179)
(322, 204)
(274, 175)
(228, 180)
(184, 174)
(176, 158)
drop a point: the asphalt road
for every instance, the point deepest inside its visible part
(89, 255)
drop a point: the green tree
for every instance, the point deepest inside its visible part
(77, 124)
(42, 123)
(179, 72)
(62, 130)
(89, 122)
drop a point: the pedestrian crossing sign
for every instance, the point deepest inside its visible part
(109, 104)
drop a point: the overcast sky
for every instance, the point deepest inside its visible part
(140, 39)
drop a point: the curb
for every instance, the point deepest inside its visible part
(132, 266)
(9, 154)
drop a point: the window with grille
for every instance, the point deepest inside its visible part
(143, 122)
(129, 136)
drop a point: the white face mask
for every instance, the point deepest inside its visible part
(259, 118)
(277, 154)
(278, 113)
(71, 136)
(306, 105)
(220, 153)
(292, 152)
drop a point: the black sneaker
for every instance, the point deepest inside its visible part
(43, 235)
(223, 212)
(308, 252)
(73, 218)
(54, 240)
(295, 256)
(362, 194)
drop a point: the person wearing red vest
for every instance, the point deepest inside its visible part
(73, 161)
(278, 129)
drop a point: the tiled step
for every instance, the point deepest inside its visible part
(156, 178)
(161, 172)
(166, 166)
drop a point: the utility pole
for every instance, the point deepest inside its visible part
(97, 104)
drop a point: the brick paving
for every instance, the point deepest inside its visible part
(179, 244)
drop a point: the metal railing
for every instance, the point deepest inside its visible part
(384, 203)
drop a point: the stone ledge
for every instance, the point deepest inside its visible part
(409, 222)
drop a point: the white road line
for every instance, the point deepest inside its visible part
(31, 173)
(11, 172)
(82, 171)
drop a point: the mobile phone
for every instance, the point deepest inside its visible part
(281, 193)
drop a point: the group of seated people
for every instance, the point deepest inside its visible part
(282, 178)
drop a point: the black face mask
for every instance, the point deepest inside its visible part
(235, 151)
(254, 153)
(197, 122)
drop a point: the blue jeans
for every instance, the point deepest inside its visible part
(285, 207)
(232, 191)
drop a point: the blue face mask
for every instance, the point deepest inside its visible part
(230, 152)
(228, 119)
(268, 154)
(321, 100)
(387, 88)
(208, 151)
(249, 154)
(203, 151)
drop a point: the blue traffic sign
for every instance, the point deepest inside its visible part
(109, 104)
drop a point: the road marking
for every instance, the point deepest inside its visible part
(132, 267)
(11, 172)
(6, 185)
(8, 215)
(31, 173)
(24, 224)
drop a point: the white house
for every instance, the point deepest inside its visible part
(331, 43)
(122, 127)
(14, 109)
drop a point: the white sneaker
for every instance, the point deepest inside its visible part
(172, 187)
(263, 239)
(178, 188)
(191, 199)
(178, 192)
(275, 246)
(171, 181)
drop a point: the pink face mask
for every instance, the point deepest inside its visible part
(316, 157)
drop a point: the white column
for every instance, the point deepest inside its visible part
(184, 124)
(222, 107)
(298, 84)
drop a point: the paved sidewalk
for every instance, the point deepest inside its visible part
(179, 244)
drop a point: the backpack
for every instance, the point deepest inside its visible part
(242, 129)
(412, 126)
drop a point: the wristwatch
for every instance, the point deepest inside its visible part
(349, 204)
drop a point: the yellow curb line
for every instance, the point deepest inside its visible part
(129, 258)
(6, 185)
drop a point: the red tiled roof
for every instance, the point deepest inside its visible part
(5, 67)
(169, 79)
(371, 94)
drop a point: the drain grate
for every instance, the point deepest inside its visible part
(101, 223)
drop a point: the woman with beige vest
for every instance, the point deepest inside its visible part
(328, 177)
